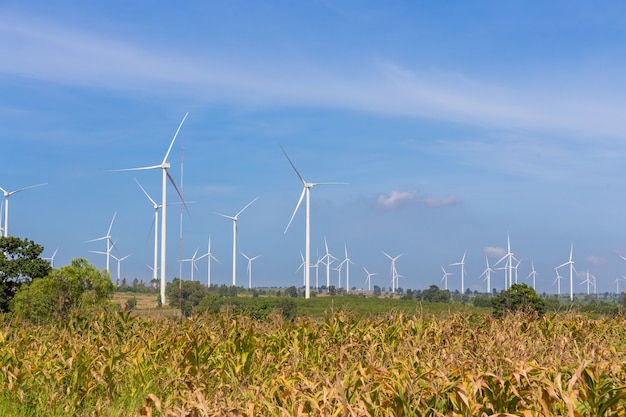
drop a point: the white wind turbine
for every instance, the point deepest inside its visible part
(234, 219)
(51, 259)
(487, 273)
(533, 274)
(444, 279)
(316, 265)
(570, 263)
(329, 260)
(119, 261)
(249, 269)
(192, 261)
(558, 280)
(462, 263)
(510, 257)
(587, 281)
(301, 266)
(369, 278)
(8, 194)
(164, 165)
(347, 261)
(209, 256)
(306, 190)
(617, 280)
(110, 243)
(394, 272)
(156, 231)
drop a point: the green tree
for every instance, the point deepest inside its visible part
(19, 264)
(78, 285)
(519, 297)
(186, 294)
(435, 295)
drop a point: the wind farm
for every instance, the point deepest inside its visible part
(384, 195)
(433, 175)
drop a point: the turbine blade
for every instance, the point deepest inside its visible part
(174, 139)
(296, 210)
(247, 205)
(136, 169)
(146, 193)
(178, 191)
(111, 225)
(293, 166)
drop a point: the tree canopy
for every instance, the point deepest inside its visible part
(19, 264)
(519, 297)
(71, 287)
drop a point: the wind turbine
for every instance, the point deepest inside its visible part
(347, 261)
(587, 281)
(558, 280)
(487, 273)
(570, 263)
(445, 278)
(462, 263)
(191, 260)
(51, 259)
(110, 244)
(249, 269)
(394, 272)
(533, 273)
(306, 189)
(510, 256)
(156, 231)
(164, 165)
(234, 219)
(369, 278)
(8, 194)
(316, 265)
(329, 260)
(209, 256)
(119, 261)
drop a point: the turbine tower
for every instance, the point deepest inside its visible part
(119, 261)
(163, 166)
(369, 278)
(209, 256)
(533, 274)
(462, 263)
(249, 269)
(329, 260)
(110, 244)
(570, 263)
(487, 273)
(347, 261)
(445, 278)
(234, 219)
(8, 194)
(394, 272)
(305, 190)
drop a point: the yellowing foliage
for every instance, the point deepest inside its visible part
(394, 365)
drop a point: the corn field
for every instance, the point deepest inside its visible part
(114, 364)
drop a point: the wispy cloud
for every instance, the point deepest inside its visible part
(39, 49)
(398, 199)
(395, 199)
(495, 252)
(595, 260)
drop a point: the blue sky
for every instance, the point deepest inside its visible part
(454, 124)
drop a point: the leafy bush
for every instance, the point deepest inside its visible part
(519, 297)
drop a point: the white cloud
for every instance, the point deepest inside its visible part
(395, 199)
(435, 202)
(39, 49)
(494, 252)
(595, 260)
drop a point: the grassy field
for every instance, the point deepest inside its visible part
(345, 363)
